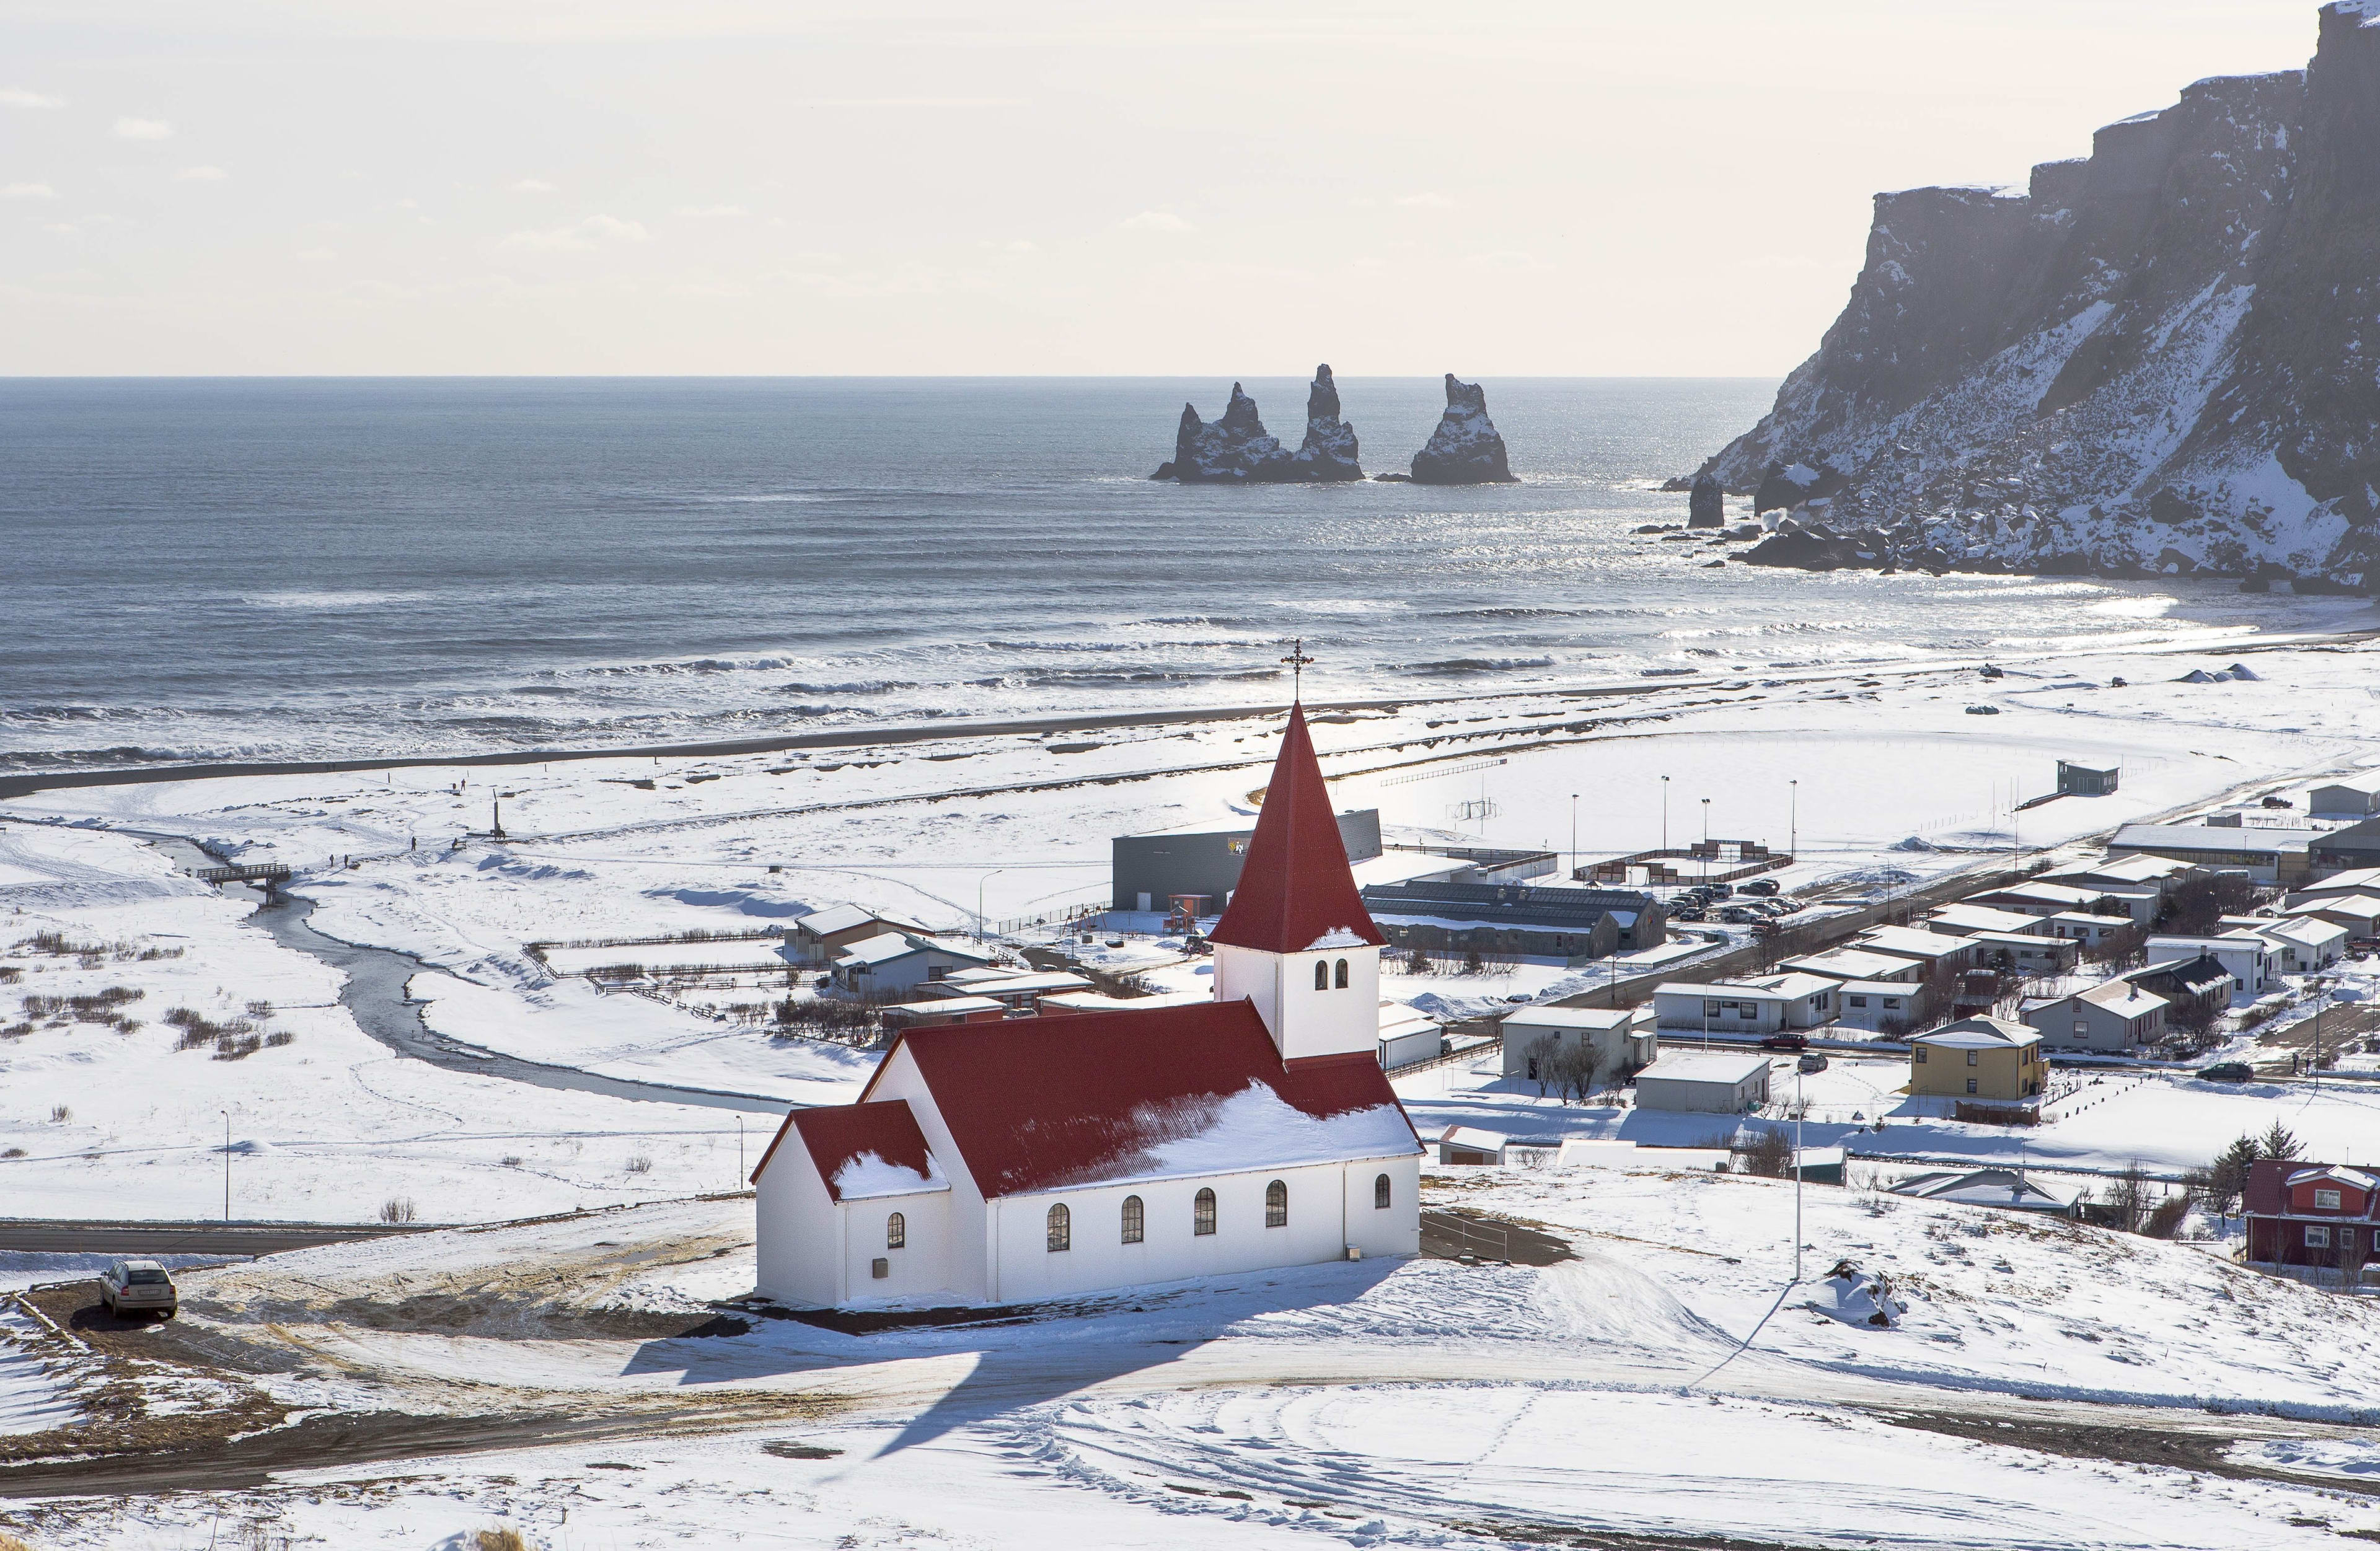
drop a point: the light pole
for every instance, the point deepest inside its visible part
(226, 1115)
(1665, 813)
(978, 901)
(1792, 817)
(1573, 837)
(1706, 839)
(739, 1152)
(1800, 1109)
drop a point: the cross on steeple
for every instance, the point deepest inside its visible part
(1297, 663)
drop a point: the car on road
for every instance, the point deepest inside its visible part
(1786, 1042)
(132, 1288)
(2230, 1072)
(1811, 1061)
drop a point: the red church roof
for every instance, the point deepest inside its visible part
(837, 1134)
(1038, 1104)
(1296, 888)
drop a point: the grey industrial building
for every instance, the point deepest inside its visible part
(1510, 918)
(1149, 870)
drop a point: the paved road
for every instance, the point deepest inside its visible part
(1452, 1235)
(60, 1236)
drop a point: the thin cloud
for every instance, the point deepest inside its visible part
(202, 174)
(1156, 221)
(143, 130)
(317, 255)
(713, 212)
(1425, 201)
(580, 238)
(532, 185)
(916, 103)
(29, 191)
(18, 97)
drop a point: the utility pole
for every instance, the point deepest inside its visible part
(1573, 837)
(739, 1152)
(1800, 1109)
(1706, 839)
(1793, 817)
(226, 1115)
(1665, 813)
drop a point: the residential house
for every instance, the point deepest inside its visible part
(2359, 913)
(2113, 1019)
(2203, 984)
(2090, 930)
(1037, 1158)
(936, 1011)
(2160, 873)
(2267, 856)
(1940, 953)
(1623, 1038)
(1858, 964)
(821, 937)
(1966, 920)
(1703, 1083)
(2036, 899)
(2306, 943)
(896, 964)
(2307, 1214)
(2007, 1189)
(1882, 1006)
(1991, 1060)
(2086, 780)
(1408, 1034)
(2019, 954)
(1772, 1004)
(2252, 960)
(1017, 989)
(2338, 885)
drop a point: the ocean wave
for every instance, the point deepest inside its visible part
(1455, 667)
(300, 599)
(857, 686)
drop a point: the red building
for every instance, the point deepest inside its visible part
(2304, 1214)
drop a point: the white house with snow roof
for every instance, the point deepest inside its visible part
(1043, 1157)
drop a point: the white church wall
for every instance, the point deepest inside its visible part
(1394, 1230)
(918, 1272)
(966, 1266)
(798, 1237)
(1333, 1021)
(1319, 1228)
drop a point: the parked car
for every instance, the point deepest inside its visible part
(1720, 890)
(1760, 886)
(2230, 1072)
(2278, 802)
(136, 1288)
(1739, 915)
(1786, 1042)
(1688, 912)
(1811, 1061)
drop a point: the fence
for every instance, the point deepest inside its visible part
(1055, 915)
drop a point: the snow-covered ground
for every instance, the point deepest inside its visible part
(1665, 1382)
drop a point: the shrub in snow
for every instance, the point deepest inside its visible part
(396, 1209)
(1857, 1297)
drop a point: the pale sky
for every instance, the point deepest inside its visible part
(1569, 188)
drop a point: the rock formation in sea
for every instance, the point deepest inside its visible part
(2162, 358)
(1706, 504)
(1465, 449)
(1235, 448)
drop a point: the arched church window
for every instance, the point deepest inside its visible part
(1321, 974)
(1343, 974)
(1062, 1229)
(1276, 1205)
(1381, 1191)
(896, 1232)
(1202, 1212)
(1135, 1216)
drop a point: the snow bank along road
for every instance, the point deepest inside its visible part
(2051, 1385)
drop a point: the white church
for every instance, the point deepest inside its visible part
(1031, 1159)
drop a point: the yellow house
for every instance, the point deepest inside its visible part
(1988, 1060)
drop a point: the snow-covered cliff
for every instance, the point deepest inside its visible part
(1235, 448)
(2166, 356)
(1465, 449)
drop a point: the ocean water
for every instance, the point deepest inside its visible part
(293, 568)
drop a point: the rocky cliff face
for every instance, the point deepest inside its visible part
(1235, 448)
(1466, 448)
(2161, 356)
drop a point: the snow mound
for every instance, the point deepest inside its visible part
(1856, 1297)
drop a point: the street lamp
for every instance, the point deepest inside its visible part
(1665, 813)
(1573, 837)
(1800, 1109)
(226, 1115)
(1706, 839)
(978, 901)
(1793, 817)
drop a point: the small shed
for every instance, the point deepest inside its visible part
(1464, 1143)
(2085, 780)
(2358, 799)
(1622, 1037)
(1707, 1084)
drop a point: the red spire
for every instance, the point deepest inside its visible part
(1296, 888)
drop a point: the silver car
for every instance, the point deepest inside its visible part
(134, 1288)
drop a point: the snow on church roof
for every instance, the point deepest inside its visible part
(1040, 1104)
(862, 1150)
(1295, 893)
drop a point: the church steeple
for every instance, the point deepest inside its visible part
(1296, 937)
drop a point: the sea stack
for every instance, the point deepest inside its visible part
(1466, 448)
(1235, 449)
(1707, 505)
(1329, 451)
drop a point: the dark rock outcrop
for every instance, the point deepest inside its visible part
(1464, 449)
(1705, 504)
(2163, 357)
(1236, 449)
